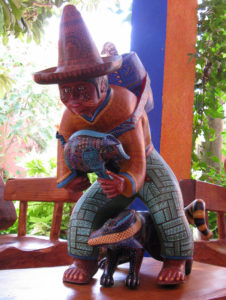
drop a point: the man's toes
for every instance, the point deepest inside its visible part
(182, 277)
(160, 278)
(76, 274)
(173, 277)
(179, 277)
(70, 274)
(168, 276)
(81, 276)
(73, 273)
(67, 273)
(162, 275)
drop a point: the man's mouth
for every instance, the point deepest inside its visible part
(76, 105)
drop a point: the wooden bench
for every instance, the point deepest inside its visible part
(21, 250)
(214, 250)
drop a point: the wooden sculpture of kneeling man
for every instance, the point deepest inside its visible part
(95, 105)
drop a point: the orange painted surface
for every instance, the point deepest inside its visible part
(178, 88)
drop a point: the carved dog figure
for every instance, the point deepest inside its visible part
(127, 236)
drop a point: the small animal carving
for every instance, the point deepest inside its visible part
(119, 236)
(92, 151)
(128, 235)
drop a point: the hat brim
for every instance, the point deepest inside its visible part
(55, 75)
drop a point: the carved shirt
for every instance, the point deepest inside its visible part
(117, 110)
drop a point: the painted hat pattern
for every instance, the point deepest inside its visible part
(78, 56)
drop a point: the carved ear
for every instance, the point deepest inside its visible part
(103, 84)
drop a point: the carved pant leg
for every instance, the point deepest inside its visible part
(89, 214)
(163, 197)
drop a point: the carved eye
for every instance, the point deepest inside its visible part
(81, 88)
(67, 90)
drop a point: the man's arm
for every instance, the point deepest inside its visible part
(78, 184)
(132, 171)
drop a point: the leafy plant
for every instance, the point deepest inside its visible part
(20, 18)
(212, 223)
(28, 112)
(26, 18)
(39, 214)
(36, 167)
(5, 81)
(118, 9)
(208, 137)
(39, 219)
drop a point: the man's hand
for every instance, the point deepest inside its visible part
(78, 184)
(112, 187)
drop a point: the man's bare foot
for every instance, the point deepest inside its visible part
(173, 272)
(81, 271)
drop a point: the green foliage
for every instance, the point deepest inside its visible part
(39, 214)
(209, 86)
(36, 167)
(5, 81)
(212, 222)
(25, 18)
(27, 112)
(117, 9)
(209, 94)
(87, 4)
(202, 171)
(39, 219)
(92, 177)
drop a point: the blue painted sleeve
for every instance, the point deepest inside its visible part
(66, 180)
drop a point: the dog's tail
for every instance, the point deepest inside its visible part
(195, 213)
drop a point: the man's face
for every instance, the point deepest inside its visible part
(79, 97)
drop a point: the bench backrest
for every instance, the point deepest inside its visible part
(40, 190)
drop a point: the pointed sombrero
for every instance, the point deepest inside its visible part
(78, 57)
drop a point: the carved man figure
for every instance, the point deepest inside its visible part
(92, 104)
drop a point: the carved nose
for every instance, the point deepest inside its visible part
(79, 96)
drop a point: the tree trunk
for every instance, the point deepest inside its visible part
(213, 147)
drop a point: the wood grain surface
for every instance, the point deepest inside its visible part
(205, 282)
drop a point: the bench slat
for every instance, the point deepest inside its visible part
(37, 189)
(22, 224)
(56, 222)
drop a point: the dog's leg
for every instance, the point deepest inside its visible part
(136, 257)
(110, 265)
